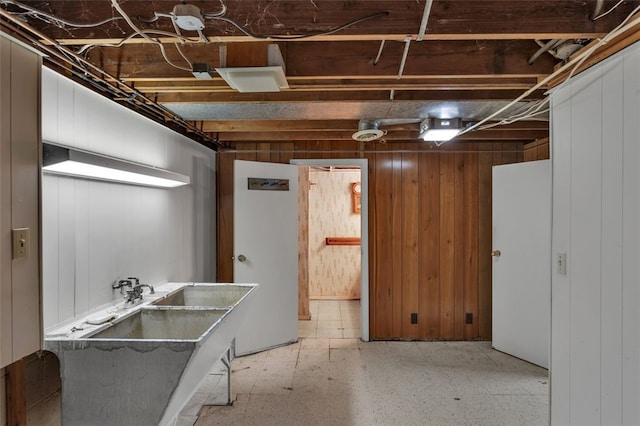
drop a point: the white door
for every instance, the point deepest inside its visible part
(265, 229)
(522, 260)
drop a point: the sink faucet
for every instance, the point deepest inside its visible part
(132, 295)
(136, 289)
(136, 293)
(140, 286)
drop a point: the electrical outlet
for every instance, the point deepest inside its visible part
(20, 241)
(468, 318)
(561, 263)
(414, 318)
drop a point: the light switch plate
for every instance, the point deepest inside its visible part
(20, 237)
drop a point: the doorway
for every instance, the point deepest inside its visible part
(332, 248)
(347, 311)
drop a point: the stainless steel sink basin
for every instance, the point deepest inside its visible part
(159, 324)
(141, 369)
(219, 296)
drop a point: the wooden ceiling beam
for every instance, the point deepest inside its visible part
(355, 95)
(388, 19)
(350, 147)
(348, 83)
(346, 38)
(342, 88)
(486, 58)
(225, 126)
(488, 135)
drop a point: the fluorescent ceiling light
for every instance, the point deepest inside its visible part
(62, 160)
(255, 79)
(439, 129)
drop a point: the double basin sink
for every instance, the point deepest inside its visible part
(143, 367)
(189, 312)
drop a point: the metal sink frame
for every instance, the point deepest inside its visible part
(143, 367)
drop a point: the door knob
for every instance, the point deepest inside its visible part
(495, 253)
(242, 258)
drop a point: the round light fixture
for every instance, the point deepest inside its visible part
(367, 135)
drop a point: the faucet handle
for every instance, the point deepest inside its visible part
(120, 284)
(135, 279)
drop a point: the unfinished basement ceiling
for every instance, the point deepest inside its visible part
(343, 110)
(343, 60)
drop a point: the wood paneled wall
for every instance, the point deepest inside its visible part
(429, 230)
(537, 150)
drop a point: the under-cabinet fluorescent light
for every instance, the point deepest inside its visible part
(62, 160)
(439, 129)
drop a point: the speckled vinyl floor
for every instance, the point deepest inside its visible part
(340, 380)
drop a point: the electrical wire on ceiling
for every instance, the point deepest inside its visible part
(111, 87)
(532, 111)
(85, 48)
(377, 59)
(573, 65)
(31, 11)
(595, 18)
(300, 36)
(147, 34)
(144, 35)
(621, 28)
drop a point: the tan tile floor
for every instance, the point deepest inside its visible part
(343, 381)
(332, 319)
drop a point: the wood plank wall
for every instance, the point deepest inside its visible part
(537, 150)
(429, 230)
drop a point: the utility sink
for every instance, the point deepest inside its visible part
(142, 367)
(219, 296)
(161, 324)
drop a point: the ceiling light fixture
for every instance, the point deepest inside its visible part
(255, 79)
(367, 131)
(188, 17)
(61, 160)
(440, 129)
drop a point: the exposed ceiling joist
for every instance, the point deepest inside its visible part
(474, 56)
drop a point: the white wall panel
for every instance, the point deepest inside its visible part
(64, 110)
(49, 121)
(85, 110)
(595, 357)
(50, 253)
(99, 237)
(82, 245)
(99, 232)
(560, 373)
(611, 296)
(585, 248)
(66, 248)
(631, 239)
